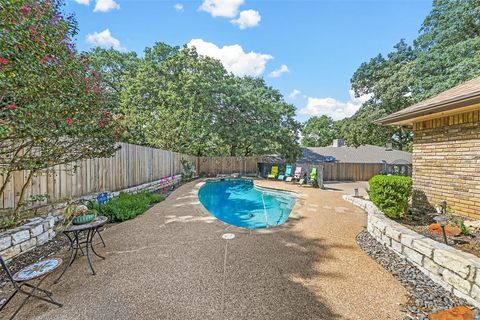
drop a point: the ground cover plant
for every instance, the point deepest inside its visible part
(127, 206)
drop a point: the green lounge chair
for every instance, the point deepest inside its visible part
(303, 179)
(288, 174)
(273, 173)
(314, 177)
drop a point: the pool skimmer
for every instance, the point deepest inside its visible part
(228, 236)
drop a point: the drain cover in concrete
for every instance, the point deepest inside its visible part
(228, 236)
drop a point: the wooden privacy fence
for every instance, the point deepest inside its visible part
(332, 171)
(131, 165)
(227, 165)
(350, 171)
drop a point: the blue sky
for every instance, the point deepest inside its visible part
(312, 47)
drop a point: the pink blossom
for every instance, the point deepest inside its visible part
(13, 106)
(25, 9)
(69, 120)
(3, 61)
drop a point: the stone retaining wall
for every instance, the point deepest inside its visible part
(457, 271)
(36, 231)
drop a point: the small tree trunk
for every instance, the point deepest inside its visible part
(22, 192)
(5, 181)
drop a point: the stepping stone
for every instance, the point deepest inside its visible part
(458, 313)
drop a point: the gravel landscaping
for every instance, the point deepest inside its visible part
(425, 296)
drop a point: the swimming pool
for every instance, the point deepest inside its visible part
(240, 203)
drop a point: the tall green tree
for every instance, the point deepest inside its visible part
(446, 53)
(171, 101)
(116, 68)
(319, 131)
(253, 119)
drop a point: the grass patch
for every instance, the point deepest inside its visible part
(127, 206)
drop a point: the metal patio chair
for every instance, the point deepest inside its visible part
(37, 271)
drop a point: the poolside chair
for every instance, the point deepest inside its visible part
(37, 271)
(288, 173)
(273, 173)
(296, 175)
(303, 179)
(313, 174)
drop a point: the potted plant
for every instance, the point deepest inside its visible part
(80, 213)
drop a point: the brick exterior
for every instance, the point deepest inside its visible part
(446, 163)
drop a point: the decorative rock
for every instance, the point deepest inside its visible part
(5, 242)
(475, 293)
(413, 255)
(424, 246)
(393, 233)
(11, 252)
(426, 296)
(36, 230)
(397, 246)
(450, 230)
(29, 244)
(431, 266)
(407, 239)
(457, 313)
(42, 238)
(51, 220)
(456, 281)
(453, 261)
(472, 225)
(20, 236)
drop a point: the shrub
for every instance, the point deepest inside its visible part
(391, 194)
(127, 206)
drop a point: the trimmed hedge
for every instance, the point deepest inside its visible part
(391, 194)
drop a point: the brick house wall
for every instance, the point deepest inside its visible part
(446, 163)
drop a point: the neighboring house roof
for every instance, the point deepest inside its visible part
(462, 96)
(362, 154)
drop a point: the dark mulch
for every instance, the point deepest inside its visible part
(419, 223)
(48, 249)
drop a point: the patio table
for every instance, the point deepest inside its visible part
(74, 232)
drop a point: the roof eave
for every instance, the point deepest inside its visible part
(439, 108)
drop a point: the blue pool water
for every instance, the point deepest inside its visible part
(238, 202)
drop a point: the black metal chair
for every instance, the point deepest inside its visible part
(39, 270)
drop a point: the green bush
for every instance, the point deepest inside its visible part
(391, 194)
(127, 206)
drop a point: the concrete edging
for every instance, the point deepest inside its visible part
(38, 230)
(457, 271)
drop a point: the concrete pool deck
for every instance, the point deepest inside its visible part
(172, 263)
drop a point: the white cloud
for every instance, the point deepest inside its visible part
(277, 73)
(85, 2)
(178, 7)
(233, 57)
(103, 39)
(332, 107)
(105, 5)
(221, 8)
(247, 19)
(295, 93)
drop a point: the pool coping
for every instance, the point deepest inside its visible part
(294, 216)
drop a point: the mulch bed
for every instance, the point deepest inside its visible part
(419, 223)
(48, 249)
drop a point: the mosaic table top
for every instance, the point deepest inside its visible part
(37, 269)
